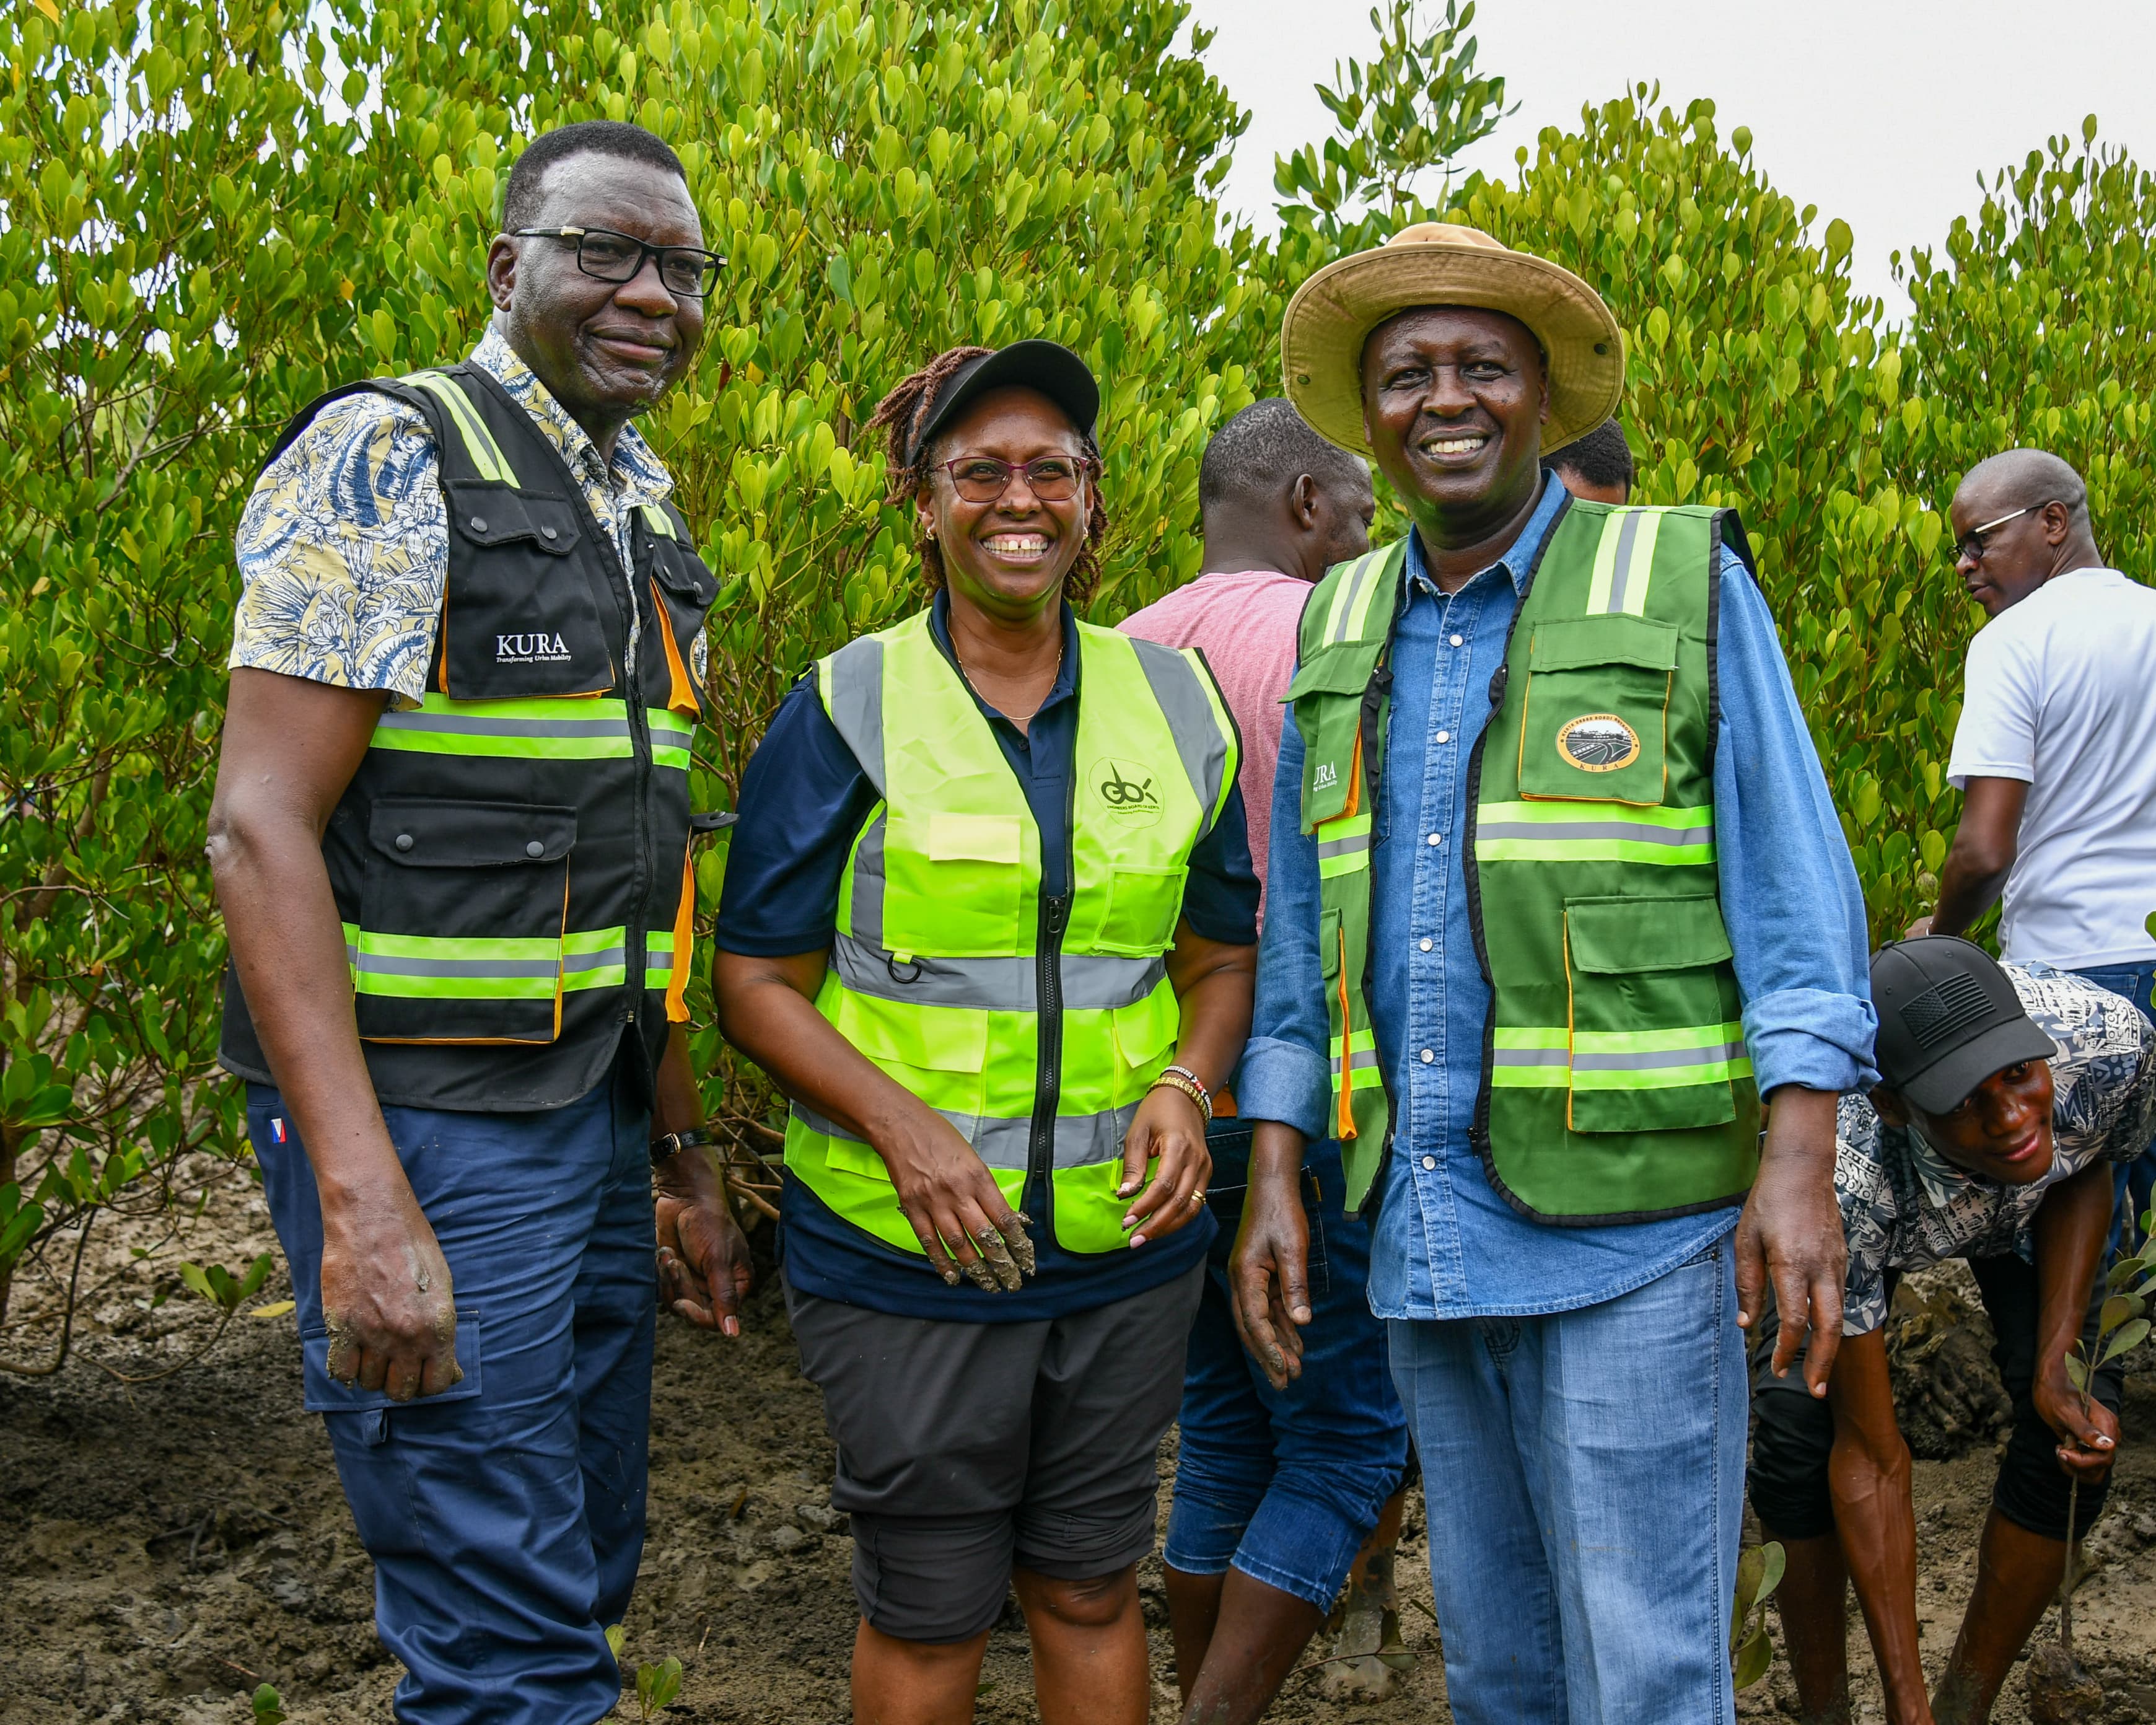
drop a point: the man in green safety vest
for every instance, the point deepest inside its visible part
(1553, 849)
(451, 840)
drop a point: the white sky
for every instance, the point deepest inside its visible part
(1879, 112)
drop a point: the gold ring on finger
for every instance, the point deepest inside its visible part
(1199, 1196)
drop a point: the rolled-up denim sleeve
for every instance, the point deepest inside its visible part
(1788, 887)
(1284, 1074)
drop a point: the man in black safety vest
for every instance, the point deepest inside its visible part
(451, 839)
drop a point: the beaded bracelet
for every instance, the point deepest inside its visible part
(1184, 1079)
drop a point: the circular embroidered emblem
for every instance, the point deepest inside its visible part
(1130, 793)
(1598, 742)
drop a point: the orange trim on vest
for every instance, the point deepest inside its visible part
(682, 698)
(685, 930)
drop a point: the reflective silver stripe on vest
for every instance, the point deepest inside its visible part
(1350, 845)
(1189, 713)
(1533, 1057)
(464, 725)
(1090, 984)
(869, 883)
(574, 963)
(1351, 591)
(387, 964)
(1652, 1060)
(1365, 1058)
(1081, 1140)
(1636, 832)
(854, 699)
(1620, 568)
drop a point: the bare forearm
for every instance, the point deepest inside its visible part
(287, 947)
(2070, 1228)
(779, 1028)
(1969, 887)
(679, 1105)
(1876, 1518)
(1216, 1024)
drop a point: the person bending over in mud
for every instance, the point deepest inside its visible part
(2006, 1096)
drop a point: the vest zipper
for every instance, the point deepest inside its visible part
(1048, 1079)
(639, 733)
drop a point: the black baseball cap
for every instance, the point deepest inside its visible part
(1948, 1018)
(1048, 367)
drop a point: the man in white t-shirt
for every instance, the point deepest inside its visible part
(2055, 752)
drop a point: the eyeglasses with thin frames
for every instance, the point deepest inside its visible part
(983, 478)
(605, 255)
(1971, 545)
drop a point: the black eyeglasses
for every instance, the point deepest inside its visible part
(983, 478)
(607, 256)
(1970, 545)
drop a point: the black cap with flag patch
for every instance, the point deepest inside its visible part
(1948, 1018)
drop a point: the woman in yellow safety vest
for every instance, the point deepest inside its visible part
(990, 922)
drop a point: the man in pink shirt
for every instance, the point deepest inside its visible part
(1277, 1492)
(1279, 506)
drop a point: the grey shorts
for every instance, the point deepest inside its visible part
(965, 1449)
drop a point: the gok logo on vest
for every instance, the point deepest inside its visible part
(1130, 793)
(539, 647)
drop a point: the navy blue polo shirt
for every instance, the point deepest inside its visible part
(803, 801)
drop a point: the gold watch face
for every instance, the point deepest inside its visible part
(1598, 742)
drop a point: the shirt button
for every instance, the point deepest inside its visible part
(479, 524)
(403, 841)
(1427, 1056)
(1427, 944)
(546, 533)
(535, 850)
(1445, 736)
(1436, 838)
(1459, 641)
(1428, 1163)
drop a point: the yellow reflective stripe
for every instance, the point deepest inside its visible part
(1351, 600)
(1345, 842)
(1624, 562)
(670, 735)
(479, 442)
(1372, 579)
(1553, 1057)
(1555, 831)
(1559, 812)
(567, 728)
(658, 520)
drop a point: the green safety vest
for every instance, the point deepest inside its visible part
(1034, 1025)
(1615, 1084)
(510, 861)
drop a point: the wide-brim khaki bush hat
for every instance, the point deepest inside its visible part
(1445, 264)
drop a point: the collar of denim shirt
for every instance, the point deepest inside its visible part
(1519, 557)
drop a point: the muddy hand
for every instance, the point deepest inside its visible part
(387, 1301)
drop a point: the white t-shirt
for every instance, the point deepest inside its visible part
(2059, 692)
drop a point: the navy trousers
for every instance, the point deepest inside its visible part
(505, 1517)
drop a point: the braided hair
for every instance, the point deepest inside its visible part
(901, 413)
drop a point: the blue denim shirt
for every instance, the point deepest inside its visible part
(1447, 1245)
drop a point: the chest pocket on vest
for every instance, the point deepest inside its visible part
(1656, 1040)
(522, 618)
(965, 902)
(1596, 724)
(488, 883)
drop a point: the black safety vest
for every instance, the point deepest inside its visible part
(511, 862)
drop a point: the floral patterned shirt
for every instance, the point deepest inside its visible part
(344, 545)
(1904, 1206)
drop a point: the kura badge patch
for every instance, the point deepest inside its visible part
(1598, 742)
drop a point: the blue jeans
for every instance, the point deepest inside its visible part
(1584, 1473)
(1286, 1485)
(506, 1516)
(2137, 1179)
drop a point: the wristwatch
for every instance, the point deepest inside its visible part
(673, 1144)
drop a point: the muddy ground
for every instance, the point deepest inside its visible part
(167, 1545)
